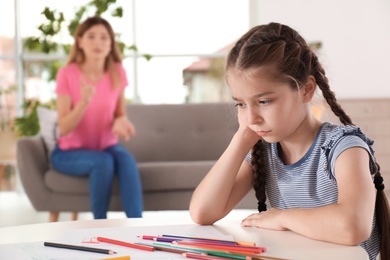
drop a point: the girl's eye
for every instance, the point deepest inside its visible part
(265, 102)
(239, 105)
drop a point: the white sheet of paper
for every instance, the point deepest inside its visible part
(83, 237)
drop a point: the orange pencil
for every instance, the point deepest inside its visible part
(122, 243)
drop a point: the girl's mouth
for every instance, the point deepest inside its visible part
(262, 133)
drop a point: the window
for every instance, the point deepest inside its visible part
(177, 34)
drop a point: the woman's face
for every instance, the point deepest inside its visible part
(95, 42)
(271, 109)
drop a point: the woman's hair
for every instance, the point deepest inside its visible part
(288, 58)
(77, 55)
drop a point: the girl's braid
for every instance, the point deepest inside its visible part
(381, 204)
(322, 82)
(258, 158)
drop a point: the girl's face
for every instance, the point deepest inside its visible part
(95, 42)
(271, 109)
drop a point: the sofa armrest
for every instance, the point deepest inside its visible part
(32, 164)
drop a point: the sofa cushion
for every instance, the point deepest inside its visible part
(169, 176)
(190, 132)
(155, 177)
(48, 127)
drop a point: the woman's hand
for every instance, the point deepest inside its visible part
(123, 128)
(269, 219)
(87, 91)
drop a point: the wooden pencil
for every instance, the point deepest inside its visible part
(127, 244)
(80, 248)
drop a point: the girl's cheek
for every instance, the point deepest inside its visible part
(242, 119)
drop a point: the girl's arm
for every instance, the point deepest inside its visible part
(348, 222)
(122, 127)
(228, 181)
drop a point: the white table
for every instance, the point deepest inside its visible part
(283, 244)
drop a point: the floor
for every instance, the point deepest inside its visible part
(16, 209)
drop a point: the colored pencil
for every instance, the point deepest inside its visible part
(250, 248)
(174, 239)
(246, 243)
(226, 254)
(168, 247)
(122, 243)
(117, 258)
(81, 248)
(202, 256)
(212, 252)
(147, 237)
(165, 239)
(263, 257)
(232, 248)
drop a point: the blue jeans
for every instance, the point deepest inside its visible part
(101, 166)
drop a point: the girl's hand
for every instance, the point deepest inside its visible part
(87, 91)
(248, 134)
(266, 219)
(123, 128)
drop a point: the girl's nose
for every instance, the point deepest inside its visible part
(253, 116)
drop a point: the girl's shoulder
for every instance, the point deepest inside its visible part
(334, 133)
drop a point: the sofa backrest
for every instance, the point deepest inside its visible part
(181, 132)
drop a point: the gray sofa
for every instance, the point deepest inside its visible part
(175, 147)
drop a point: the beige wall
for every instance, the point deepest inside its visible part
(355, 37)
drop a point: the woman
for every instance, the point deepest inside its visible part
(91, 117)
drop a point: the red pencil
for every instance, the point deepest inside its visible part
(128, 244)
(146, 237)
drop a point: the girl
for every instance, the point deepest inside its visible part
(318, 177)
(91, 117)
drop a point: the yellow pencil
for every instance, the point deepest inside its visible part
(126, 257)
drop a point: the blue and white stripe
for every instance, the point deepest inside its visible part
(311, 182)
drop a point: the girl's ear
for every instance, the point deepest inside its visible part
(309, 89)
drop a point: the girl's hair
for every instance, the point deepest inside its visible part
(288, 58)
(77, 55)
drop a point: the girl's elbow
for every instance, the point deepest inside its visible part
(200, 217)
(357, 233)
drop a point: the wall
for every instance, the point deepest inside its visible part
(355, 36)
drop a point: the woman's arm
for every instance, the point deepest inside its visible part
(348, 222)
(122, 126)
(68, 117)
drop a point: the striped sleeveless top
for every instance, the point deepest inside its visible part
(311, 181)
